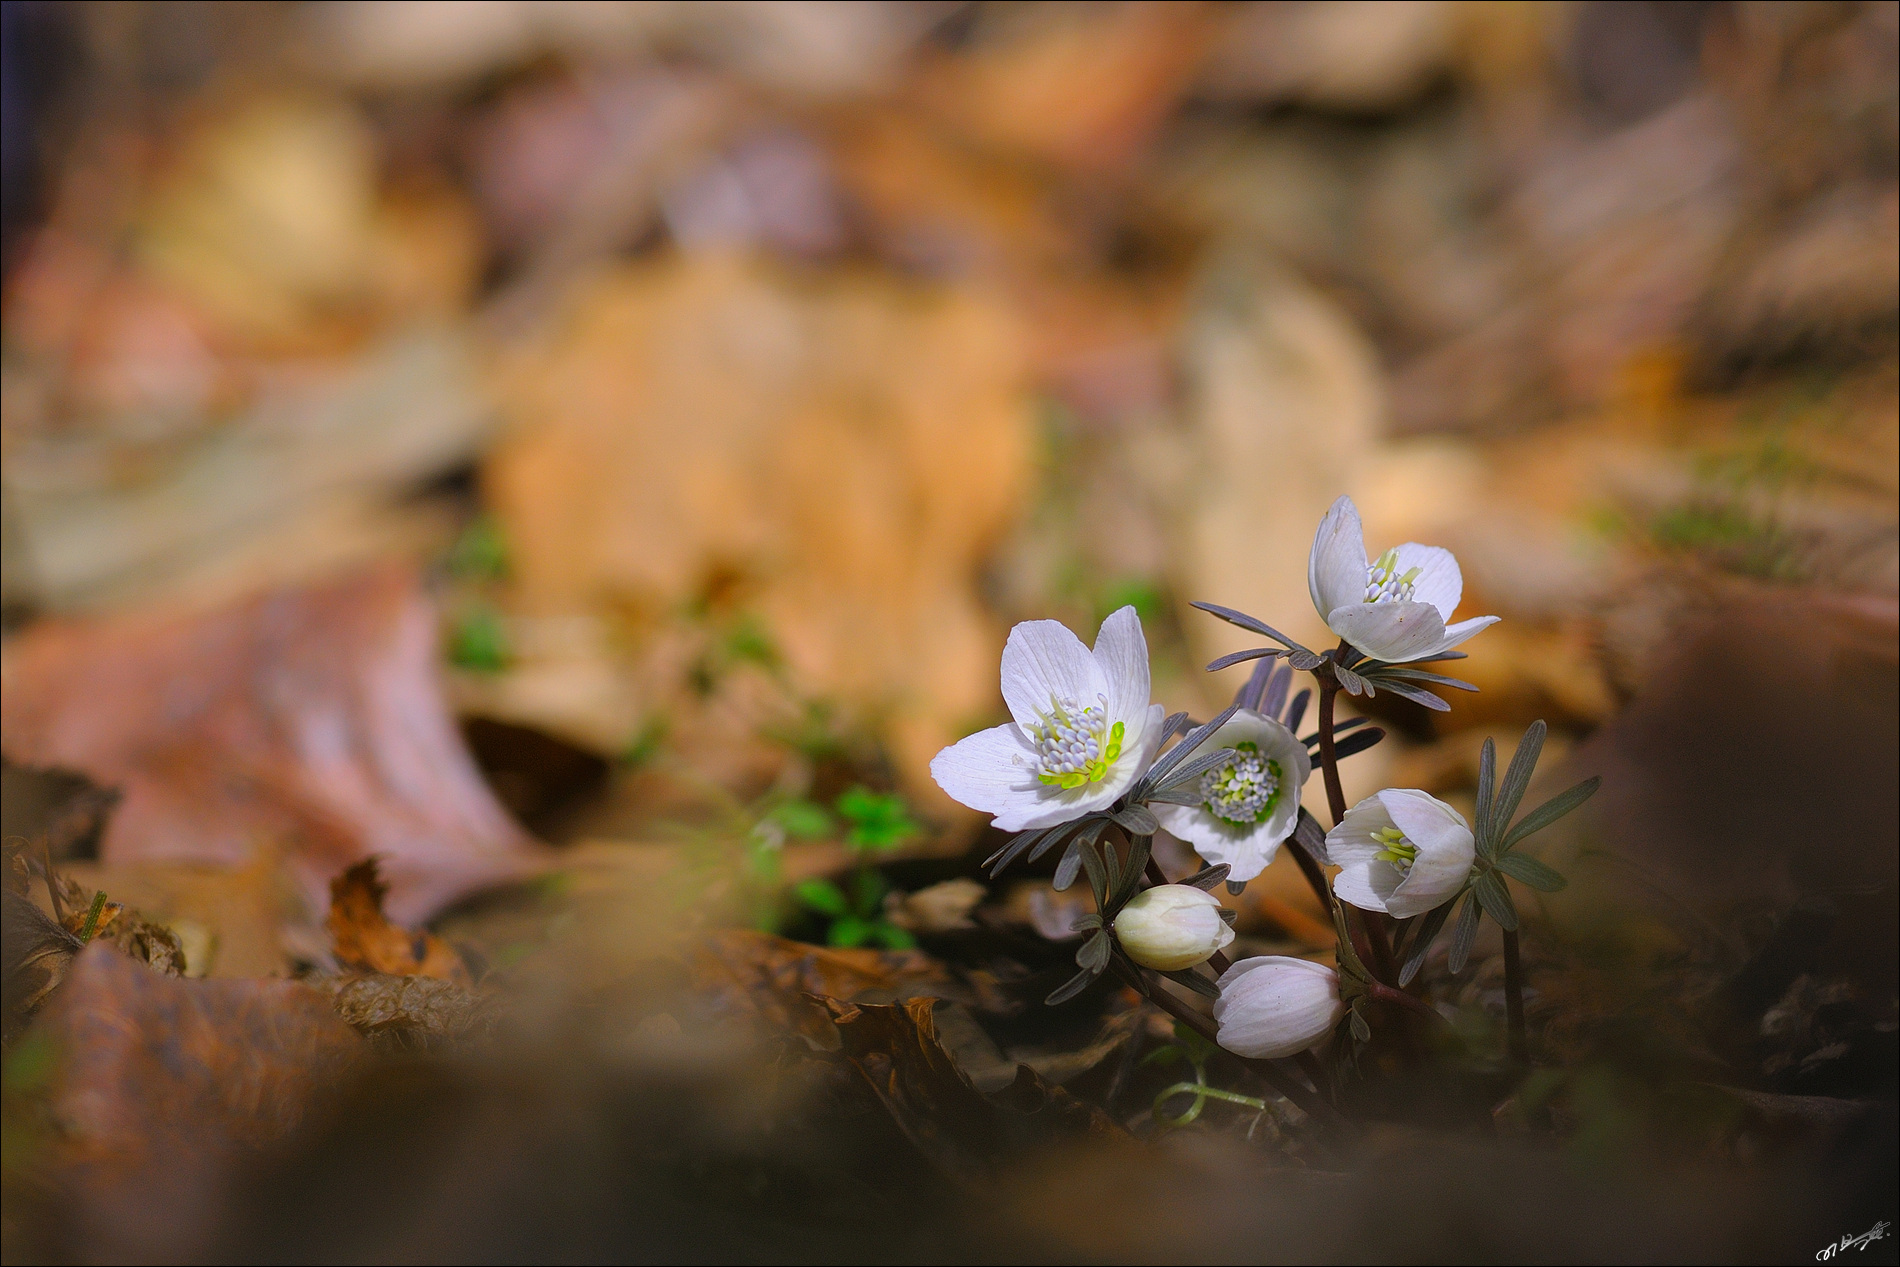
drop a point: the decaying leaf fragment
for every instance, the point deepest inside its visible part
(959, 1129)
(364, 937)
(405, 1011)
(162, 1083)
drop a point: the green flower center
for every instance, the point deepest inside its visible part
(1245, 790)
(1384, 582)
(1075, 746)
(1397, 850)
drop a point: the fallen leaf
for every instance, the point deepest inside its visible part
(36, 954)
(405, 1011)
(964, 1133)
(163, 1083)
(773, 977)
(308, 719)
(711, 433)
(363, 937)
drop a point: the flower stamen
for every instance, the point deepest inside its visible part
(1398, 851)
(1075, 746)
(1384, 582)
(1245, 790)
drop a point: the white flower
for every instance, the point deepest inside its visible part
(1249, 805)
(1171, 927)
(1273, 1006)
(1400, 851)
(1084, 729)
(1397, 608)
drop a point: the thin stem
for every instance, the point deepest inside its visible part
(1514, 998)
(1386, 994)
(1381, 949)
(1316, 1073)
(1328, 750)
(1309, 867)
(1380, 958)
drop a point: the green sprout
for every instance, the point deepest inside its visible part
(877, 822)
(1196, 1050)
(874, 823)
(480, 553)
(477, 640)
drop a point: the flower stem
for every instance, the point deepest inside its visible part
(1514, 998)
(1381, 948)
(1328, 750)
(1309, 867)
(1386, 994)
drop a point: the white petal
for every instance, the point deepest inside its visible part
(1445, 850)
(1336, 569)
(1455, 634)
(1351, 840)
(1272, 1006)
(1439, 582)
(1043, 660)
(1122, 653)
(1394, 632)
(1368, 885)
(991, 770)
(1425, 820)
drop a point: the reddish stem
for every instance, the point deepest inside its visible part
(1514, 999)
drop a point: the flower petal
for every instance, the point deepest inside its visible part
(1336, 569)
(1368, 885)
(991, 770)
(1445, 850)
(1351, 839)
(1439, 581)
(1426, 821)
(1272, 1006)
(1455, 634)
(1122, 653)
(1393, 632)
(1043, 661)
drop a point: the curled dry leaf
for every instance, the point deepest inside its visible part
(36, 954)
(309, 719)
(363, 937)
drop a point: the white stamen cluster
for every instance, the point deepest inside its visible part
(1070, 739)
(1241, 790)
(1385, 584)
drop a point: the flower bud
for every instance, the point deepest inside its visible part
(1171, 927)
(1272, 1006)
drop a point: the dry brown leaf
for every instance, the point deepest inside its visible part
(956, 1127)
(771, 977)
(308, 720)
(363, 937)
(164, 1082)
(830, 458)
(404, 1011)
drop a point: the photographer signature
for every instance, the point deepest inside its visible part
(1877, 1232)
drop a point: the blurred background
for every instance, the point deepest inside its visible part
(464, 431)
